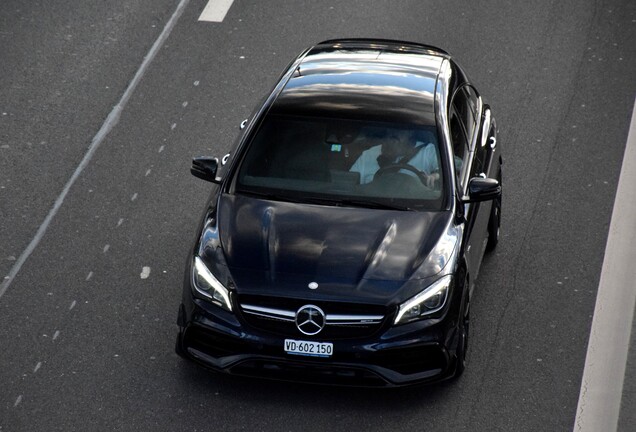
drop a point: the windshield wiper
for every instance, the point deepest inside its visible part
(374, 204)
(365, 203)
(268, 196)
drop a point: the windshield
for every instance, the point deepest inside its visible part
(343, 162)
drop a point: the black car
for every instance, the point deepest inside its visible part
(343, 235)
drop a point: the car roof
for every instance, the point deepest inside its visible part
(366, 79)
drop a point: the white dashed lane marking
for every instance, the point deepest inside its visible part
(215, 10)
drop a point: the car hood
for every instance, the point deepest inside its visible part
(279, 248)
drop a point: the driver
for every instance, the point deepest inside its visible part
(399, 147)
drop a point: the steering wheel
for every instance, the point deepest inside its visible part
(396, 167)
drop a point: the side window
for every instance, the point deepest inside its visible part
(473, 99)
(479, 158)
(460, 144)
(479, 162)
(465, 102)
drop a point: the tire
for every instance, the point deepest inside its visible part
(178, 348)
(462, 344)
(494, 223)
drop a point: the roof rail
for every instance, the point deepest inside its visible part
(385, 42)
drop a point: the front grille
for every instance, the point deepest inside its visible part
(343, 320)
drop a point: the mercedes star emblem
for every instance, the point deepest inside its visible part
(310, 320)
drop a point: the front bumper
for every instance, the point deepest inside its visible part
(419, 352)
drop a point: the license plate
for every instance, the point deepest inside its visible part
(308, 348)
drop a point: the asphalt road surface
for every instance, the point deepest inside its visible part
(87, 325)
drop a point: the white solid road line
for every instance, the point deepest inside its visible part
(108, 125)
(215, 10)
(604, 373)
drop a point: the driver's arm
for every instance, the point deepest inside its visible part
(367, 164)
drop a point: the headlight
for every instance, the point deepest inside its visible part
(209, 286)
(427, 302)
(443, 252)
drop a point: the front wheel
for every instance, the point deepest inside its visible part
(494, 223)
(462, 344)
(178, 347)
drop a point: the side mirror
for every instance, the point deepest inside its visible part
(243, 124)
(482, 189)
(205, 168)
